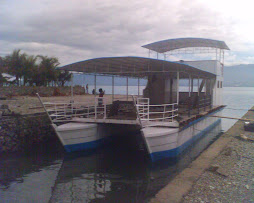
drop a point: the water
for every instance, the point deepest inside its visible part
(114, 174)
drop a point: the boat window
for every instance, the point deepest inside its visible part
(218, 84)
(221, 84)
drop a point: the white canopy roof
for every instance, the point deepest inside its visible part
(133, 66)
(172, 44)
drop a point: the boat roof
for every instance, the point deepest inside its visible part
(133, 66)
(179, 43)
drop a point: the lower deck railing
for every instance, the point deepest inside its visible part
(64, 111)
(59, 111)
(156, 112)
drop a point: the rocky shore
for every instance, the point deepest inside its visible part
(23, 132)
(230, 178)
(222, 173)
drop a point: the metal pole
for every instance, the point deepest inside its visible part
(72, 88)
(177, 88)
(189, 95)
(113, 83)
(198, 95)
(205, 93)
(72, 100)
(95, 105)
(127, 88)
(138, 87)
(95, 85)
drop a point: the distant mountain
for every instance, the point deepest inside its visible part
(234, 76)
(239, 75)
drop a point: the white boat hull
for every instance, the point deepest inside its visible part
(164, 142)
(80, 136)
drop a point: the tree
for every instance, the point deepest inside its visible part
(47, 70)
(15, 63)
(63, 77)
(30, 69)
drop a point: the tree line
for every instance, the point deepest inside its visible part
(31, 70)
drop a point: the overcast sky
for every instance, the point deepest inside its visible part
(82, 29)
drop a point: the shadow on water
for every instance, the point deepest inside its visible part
(120, 174)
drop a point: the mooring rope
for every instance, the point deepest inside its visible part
(240, 109)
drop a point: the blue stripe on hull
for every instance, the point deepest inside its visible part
(176, 151)
(85, 146)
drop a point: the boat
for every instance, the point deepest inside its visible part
(181, 102)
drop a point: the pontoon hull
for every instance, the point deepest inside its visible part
(164, 142)
(80, 136)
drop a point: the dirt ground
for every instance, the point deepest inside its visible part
(30, 105)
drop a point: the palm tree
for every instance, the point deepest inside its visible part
(63, 77)
(30, 69)
(47, 69)
(15, 63)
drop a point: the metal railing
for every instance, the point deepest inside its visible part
(158, 112)
(59, 111)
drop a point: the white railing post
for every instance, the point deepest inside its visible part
(148, 110)
(95, 109)
(164, 109)
(104, 103)
(56, 111)
(173, 112)
(65, 111)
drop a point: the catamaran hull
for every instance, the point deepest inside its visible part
(164, 142)
(80, 136)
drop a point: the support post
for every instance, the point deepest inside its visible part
(72, 99)
(198, 95)
(138, 87)
(95, 102)
(113, 84)
(210, 93)
(72, 88)
(205, 93)
(189, 100)
(95, 85)
(177, 94)
(127, 88)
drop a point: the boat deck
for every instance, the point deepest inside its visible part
(129, 117)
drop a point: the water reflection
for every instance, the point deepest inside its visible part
(119, 175)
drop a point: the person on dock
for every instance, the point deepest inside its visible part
(101, 94)
(87, 88)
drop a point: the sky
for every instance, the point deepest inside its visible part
(82, 29)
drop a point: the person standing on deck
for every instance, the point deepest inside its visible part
(101, 93)
(87, 88)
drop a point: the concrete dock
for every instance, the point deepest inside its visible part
(222, 173)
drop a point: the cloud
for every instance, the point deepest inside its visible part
(78, 30)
